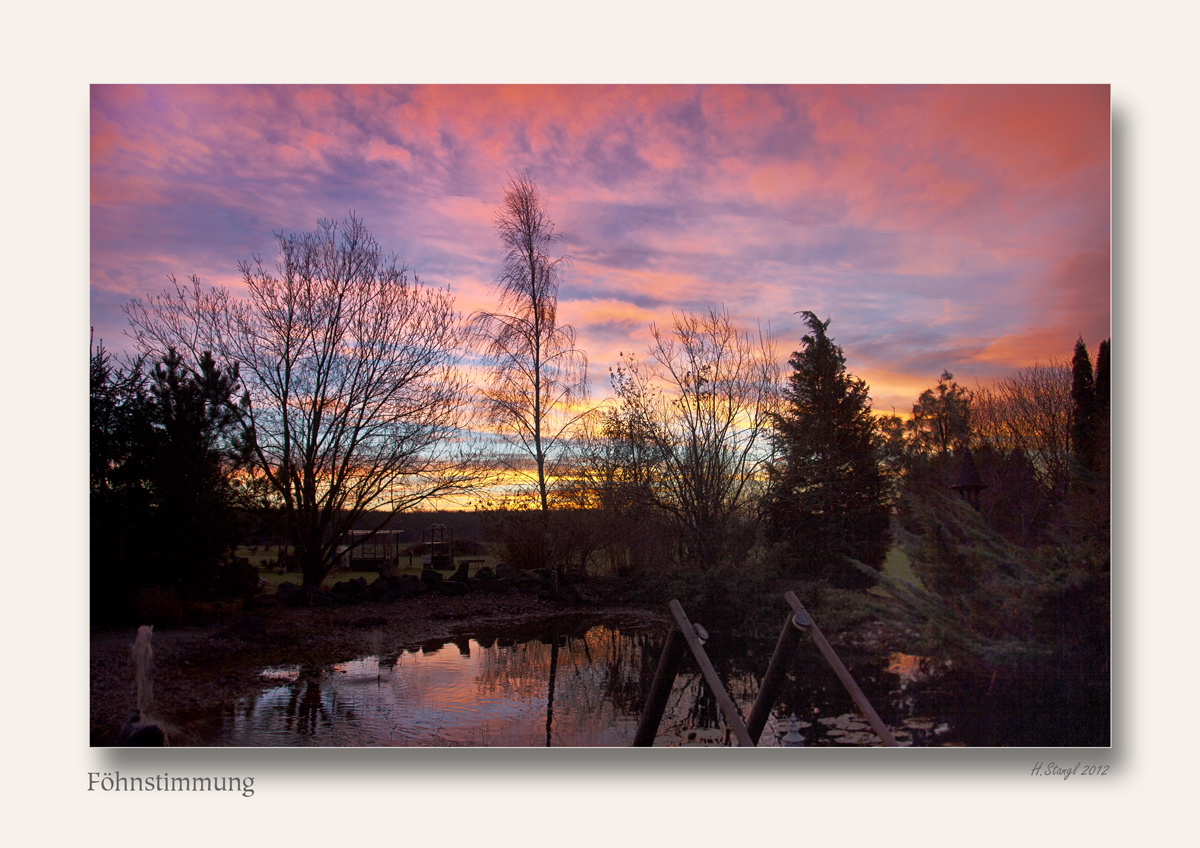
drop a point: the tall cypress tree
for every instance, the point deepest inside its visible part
(1083, 412)
(1103, 411)
(828, 497)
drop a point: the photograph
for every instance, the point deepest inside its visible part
(600, 416)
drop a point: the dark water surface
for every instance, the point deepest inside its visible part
(586, 686)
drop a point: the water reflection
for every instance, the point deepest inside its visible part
(563, 687)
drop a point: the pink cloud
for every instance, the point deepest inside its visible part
(977, 216)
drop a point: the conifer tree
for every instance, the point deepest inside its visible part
(196, 447)
(118, 505)
(1083, 412)
(1103, 378)
(828, 496)
(1103, 411)
(164, 447)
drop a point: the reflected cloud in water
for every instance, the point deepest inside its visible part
(558, 689)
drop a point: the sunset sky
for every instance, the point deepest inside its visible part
(953, 227)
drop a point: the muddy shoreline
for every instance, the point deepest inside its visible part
(196, 669)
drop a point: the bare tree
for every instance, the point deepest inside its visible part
(611, 461)
(609, 489)
(703, 402)
(537, 372)
(350, 369)
(1029, 414)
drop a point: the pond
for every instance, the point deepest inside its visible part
(573, 685)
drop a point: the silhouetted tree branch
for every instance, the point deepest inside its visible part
(353, 398)
(702, 404)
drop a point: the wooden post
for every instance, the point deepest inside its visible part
(772, 682)
(550, 696)
(803, 619)
(660, 689)
(710, 675)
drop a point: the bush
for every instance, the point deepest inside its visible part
(722, 596)
(238, 579)
(519, 537)
(996, 603)
(835, 610)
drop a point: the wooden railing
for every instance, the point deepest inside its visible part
(686, 635)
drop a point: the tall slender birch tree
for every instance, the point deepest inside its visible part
(537, 372)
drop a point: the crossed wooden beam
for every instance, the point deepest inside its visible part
(686, 635)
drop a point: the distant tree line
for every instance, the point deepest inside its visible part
(1038, 438)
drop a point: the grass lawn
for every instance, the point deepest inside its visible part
(898, 567)
(275, 578)
(259, 556)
